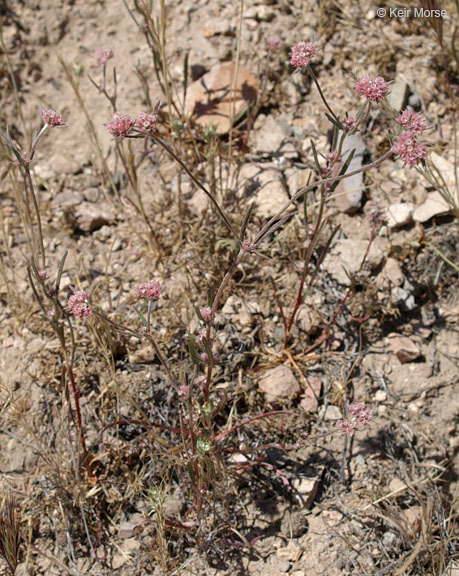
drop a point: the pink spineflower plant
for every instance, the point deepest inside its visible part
(203, 334)
(79, 305)
(52, 118)
(412, 121)
(349, 125)
(301, 54)
(409, 148)
(347, 426)
(146, 122)
(102, 55)
(206, 313)
(120, 124)
(150, 290)
(374, 89)
(360, 414)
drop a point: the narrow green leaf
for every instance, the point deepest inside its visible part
(316, 157)
(142, 317)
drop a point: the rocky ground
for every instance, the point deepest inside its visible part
(316, 503)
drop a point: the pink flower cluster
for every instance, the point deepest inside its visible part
(150, 290)
(349, 125)
(102, 55)
(374, 89)
(360, 415)
(120, 124)
(412, 121)
(79, 305)
(408, 147)
(146, 122)
(52, 118)
(301, 54)
(206, 313)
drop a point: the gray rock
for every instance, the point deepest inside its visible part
(330, 413)
(398, 95)
(349, 191)
(265, 187)
(346, 256)
(91, 217)
(68, 198)
(399, 215)
(433, 206)
(291, 552)
(393, 273)
(270, 137)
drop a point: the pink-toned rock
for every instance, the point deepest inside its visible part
(404, 348)
(280, 382)
(310, 402)
(413, 517)
(210, 101)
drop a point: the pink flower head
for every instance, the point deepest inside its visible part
(346, 426)
(43, 275)
(146, 122)
(52, 118)
(150, 290)
(79, 305)
(119, 124)
(205, 357)
(349, 125)
(411, 121)
(206, 313)
(409, 148)
(301, 54)
(361, 413)
(101, 55)
(373, 89)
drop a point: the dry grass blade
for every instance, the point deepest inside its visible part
(10, 534)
